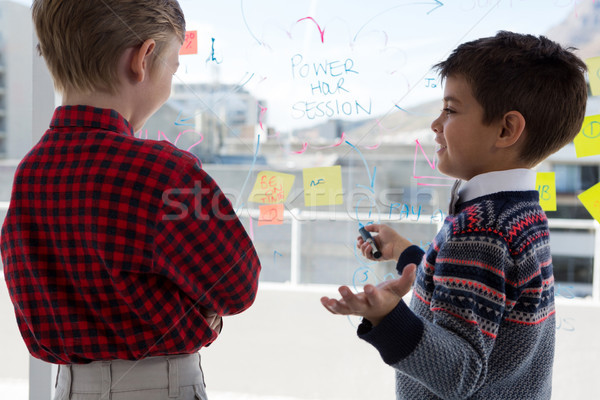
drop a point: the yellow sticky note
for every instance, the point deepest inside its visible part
(323, 186)
(545, 183)
(593, 65)
(591, 200)
(587, 141)
(270, 214)
(271, 187)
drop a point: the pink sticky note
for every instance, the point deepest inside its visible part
(190, 44)
(270, 214)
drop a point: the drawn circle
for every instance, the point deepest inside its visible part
(357, 320)
(361, 276)
(591, 134)
(373, 204)
(365, 277)
(389, 276)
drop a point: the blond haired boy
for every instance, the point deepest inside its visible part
(481, 321)
(121, 255)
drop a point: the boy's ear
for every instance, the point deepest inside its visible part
(140, 60)
(513, 126)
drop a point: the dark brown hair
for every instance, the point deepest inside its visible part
(82, 40)
(533, 75)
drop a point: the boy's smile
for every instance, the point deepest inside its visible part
(466, 146)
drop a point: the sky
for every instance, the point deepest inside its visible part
(311, 60)
(317, 59)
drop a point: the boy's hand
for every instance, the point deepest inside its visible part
(376, 301)
(214, 321)
(389, 242)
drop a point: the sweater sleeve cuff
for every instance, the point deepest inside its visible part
(396, 336)
(411, 255)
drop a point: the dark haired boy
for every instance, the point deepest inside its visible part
(481, 322)
(121, 255)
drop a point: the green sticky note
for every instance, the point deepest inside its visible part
(591, 201)
(545, 183)
(323, 186)
(587, 141)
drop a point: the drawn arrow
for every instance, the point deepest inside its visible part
(248, 26)
(321, 31)
(371, 177)
(183, 121)
(439, 4)
(275, 254)
(413, 113)
(263, 111)
(250, 170)
(240, 85)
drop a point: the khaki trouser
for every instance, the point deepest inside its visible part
(154, 378)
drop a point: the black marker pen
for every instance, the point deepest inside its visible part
(366, 235)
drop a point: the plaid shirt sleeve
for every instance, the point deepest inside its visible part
(201, 245)
(116, 248)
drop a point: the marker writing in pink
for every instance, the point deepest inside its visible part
(321, 31)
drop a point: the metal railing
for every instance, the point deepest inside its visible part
(41, 372)
(297, 217)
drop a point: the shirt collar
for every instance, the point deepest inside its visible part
(81, 116)
(512, 180)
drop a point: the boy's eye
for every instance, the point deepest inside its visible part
(448, 111)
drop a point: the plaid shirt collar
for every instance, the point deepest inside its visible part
(90, 117)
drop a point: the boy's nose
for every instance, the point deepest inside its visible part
(436, 126)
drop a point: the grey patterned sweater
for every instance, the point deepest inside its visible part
(481, 319)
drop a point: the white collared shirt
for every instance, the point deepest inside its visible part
(511, 180)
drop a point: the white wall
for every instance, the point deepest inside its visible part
(288, 345)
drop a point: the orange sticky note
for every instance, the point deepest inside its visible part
(190, 44)
(593, 65)
(546, 185)
(270, 214)
(587, 141)
(591, 201)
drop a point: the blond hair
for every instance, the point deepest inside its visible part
(82, 40)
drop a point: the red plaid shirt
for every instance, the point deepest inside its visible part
(113, 246)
